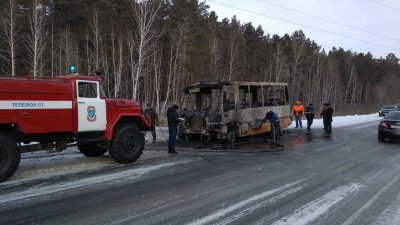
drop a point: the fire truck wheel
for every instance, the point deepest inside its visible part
(9, 158)
(91, 150)
(127, 144)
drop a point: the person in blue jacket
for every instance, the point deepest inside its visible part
(275, 126)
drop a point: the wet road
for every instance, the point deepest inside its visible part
(344, 178)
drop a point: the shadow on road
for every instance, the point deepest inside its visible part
(290, 139)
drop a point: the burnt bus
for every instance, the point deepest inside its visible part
(226, 111)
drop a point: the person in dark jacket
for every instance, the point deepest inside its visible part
(152, 114)
(173, 120)
(309, 111)
(326, 114)
(275, 126)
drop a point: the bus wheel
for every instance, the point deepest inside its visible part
(9, 158)
(230, 136)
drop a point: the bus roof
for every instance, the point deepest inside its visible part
(220, 84)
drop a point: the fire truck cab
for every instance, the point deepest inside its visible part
(38, 114)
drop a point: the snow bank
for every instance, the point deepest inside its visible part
(342, 121)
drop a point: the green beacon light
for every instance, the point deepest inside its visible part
(72, 69)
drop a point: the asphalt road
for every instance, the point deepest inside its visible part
(344, 178)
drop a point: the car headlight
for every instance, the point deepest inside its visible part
(383, 125)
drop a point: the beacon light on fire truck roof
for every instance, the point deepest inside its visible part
(72, 69)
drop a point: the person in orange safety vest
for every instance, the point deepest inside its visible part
(298, 112)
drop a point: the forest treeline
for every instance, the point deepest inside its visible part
(149, 50)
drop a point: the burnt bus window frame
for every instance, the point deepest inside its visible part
(228, 101)
(268, 93)
(256, 96)
(208, 99)
(244, 97)
(279, 95)
(275, 95)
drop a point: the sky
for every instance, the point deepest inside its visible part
(361, 26)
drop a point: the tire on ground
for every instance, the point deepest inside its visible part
(9, 158)
(127, 144)
(91, 150)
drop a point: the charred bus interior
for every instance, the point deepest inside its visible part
(202, 112)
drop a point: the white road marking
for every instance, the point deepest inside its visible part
(127, 174)
(220, 213)
(371, 201)
(168, 205)
(316, 208)
(249, 210)
(391, 215)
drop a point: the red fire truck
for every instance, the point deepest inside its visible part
(37, 114)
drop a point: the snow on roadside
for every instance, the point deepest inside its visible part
(342, 121)
(42, 164)
(131, 174)
(338, 121)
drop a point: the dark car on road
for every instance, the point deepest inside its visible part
(388, 108)
(389, 127)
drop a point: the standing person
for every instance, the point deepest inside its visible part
(173, 120)
(309, 111)
(275, 126)
(327, 113)
(298, 111)
(323, 110)
(152, 114)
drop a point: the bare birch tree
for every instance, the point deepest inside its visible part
(35, 39)
(298, 51)
(320, 60)
(157, 79)
(52, 50)
(177, 57)
(216, 57)
(144, 36)
(233, 48)
(278, 61)
(95, 40)
(117, 62)
(11, 31)
(88, 52)
(68, 51)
